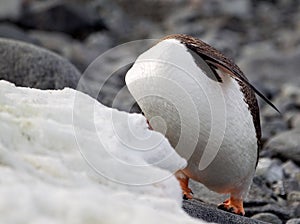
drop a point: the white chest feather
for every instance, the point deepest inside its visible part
(206, 121)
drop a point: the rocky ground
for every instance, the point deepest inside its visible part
(262, 36)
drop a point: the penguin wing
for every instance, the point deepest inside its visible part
(217, 61)
(214, 64)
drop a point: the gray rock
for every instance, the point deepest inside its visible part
(101, 41)
(259, 194)
(267, 217)
(235, 8)
(117, 21)
(296, 209)
(287, 101)
(293, 221)
(290, 169)
(204, 194)
(10, 31)
(295, 121)
(291, 91)
(293, 196)
(283, 212)
(186, 20)
(63, 44)
(272, 126)
(75, 19)
(153, 10)
(270, 170)
(54, 41)
(208, 213)
(31, 66)
(10, 9)
(275, 173)
(105, 76)
(291, 185)
(286, 145)
(263, 63)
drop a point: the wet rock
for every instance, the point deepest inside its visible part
(31, 66)
(267, 217)
(286, 145)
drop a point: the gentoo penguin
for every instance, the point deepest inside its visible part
(202, 102)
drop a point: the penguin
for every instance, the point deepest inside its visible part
(207, 109)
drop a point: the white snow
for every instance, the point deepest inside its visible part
(65, 158)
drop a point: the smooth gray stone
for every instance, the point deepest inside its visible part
(208, 213)
(30, 66)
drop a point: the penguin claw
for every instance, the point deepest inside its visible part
(187, 194)
(234, 206)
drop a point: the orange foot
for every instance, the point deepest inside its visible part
(184, 182)
(233, 205)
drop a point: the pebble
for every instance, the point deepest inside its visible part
(267, 217)
(293, 196)
(270, 170)
(295, 121)
(286, 145)
(290, 169)
(293, 221)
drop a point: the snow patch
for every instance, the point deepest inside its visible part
(65, 158)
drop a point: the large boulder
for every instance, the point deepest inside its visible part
(27, 65)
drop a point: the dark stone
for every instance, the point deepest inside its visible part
(290, 185)
(10, 31)
(259, 194)
(273, 127)
(77, 20)
(284, 213)
(208, 213)
(31, 66)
